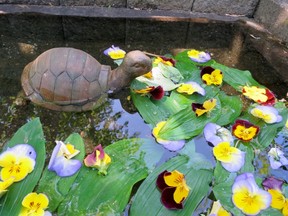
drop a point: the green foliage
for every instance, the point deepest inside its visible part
(92, 193)
(56, 187)
(147, 199)
(32, 134)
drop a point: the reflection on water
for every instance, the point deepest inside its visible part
(24, 37)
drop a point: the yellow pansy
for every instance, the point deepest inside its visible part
(34, 204)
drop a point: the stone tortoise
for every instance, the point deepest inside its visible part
(68, 79)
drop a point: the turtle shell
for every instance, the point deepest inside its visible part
(66, 79)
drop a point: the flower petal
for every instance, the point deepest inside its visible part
(272, 183)
(278, 199)
(238, 161)
(215, 134)
(161, 184)
(171, 145)
(268, 113)
(65, 167)
(168, 199)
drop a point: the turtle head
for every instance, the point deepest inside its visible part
(135, 64)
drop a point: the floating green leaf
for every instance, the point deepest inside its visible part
(231, 107)
(95, 194)
(236, 78)
(32, 134)
(55, 187)
(185, 124)
(147, 199)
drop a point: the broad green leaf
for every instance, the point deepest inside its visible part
(170, 72)
(153, 111)
(147, 199)
(220, 174)
(223, 192)
(249, 158)
(236, 78)
(158, 79)
(271, 212)
(185, 124)
(231, 107)
(93, 194)
(32, 134)
(55, 187)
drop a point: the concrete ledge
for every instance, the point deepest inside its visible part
(104, 12)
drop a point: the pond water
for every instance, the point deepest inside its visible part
(24, 37)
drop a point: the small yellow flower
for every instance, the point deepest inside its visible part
(207, 106)
(34, 204)
(244, 130)
(159, 59)
(245, 133)
(190, 88)
(247, 196)
(16, 167)
(224, 152)
(213, 78)
(177, 179)
(98, 159)
(115, 52)
(255, 93)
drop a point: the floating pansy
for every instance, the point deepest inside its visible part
(17, 162)
(198, 56)
(231, 158)
(115, 52)
(274, 187)
(164, 60)
(35, 204)
(244, 130)
(260, 95)
(215, 134)
(190, 88)
(268, 113)
(206, 107)
(211, 76)
(277, 158)
(174, 189)
(172, 145)
(156, 92)
(218, 210)
(247, 196)
(61, 160)
(98, 159)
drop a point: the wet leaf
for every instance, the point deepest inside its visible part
(55, 187)
(92, 194)
(147, 199)
(32, 134)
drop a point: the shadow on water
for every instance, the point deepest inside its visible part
(24, 37)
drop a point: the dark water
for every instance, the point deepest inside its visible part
(24, 37)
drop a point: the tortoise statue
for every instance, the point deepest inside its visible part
(68, 79)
